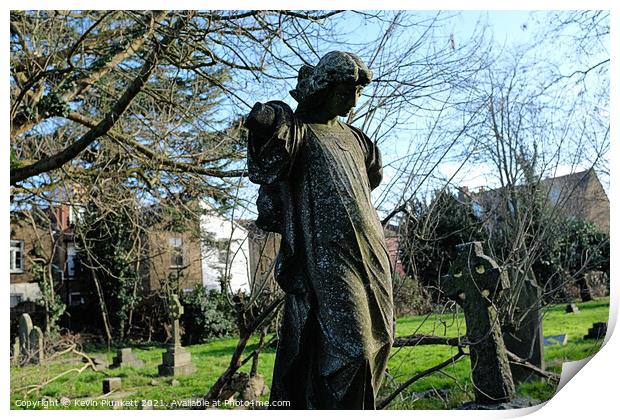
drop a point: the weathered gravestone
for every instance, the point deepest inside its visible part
(15, 351)
(571, 308)
(36, 346)
(111, 384)
(176, 360)
(124, 357)
(556, 340)
(522, 325)
(597, 331)
(31, 342)
(474, 282)
(24, 330)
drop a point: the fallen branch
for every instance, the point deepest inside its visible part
(424, 340)
(419, 376)
(89, 364)
(516, 360)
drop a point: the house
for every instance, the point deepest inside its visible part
(579, 195)
(392, 242)
(25, 241)
(225, 253)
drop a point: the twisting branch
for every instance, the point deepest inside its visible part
(419, 376)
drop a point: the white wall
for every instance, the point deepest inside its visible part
(218, 228)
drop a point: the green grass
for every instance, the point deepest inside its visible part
(212, 358)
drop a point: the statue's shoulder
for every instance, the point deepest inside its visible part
(364, 140)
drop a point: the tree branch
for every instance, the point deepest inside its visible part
(64, 156)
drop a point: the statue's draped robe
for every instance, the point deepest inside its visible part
(333, 264)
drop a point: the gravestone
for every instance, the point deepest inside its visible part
(124, 358)
(176, 360)
(15, 354)
(556, 340)
(597, 331)
(36, 353)
(522, 326)
(474, 282)
(111, 384)
(24, 330)
(571, 308)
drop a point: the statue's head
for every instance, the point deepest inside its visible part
(335, 82)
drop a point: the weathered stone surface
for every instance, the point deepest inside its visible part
(474, 282)
(316, 175)
(176, 360)
(125, 358)
(16, 351)
(556, 340)
(24, 329)
(180, 370)
(571, 308)
(597, 331)
(37, 349)
(176, 357)
(522, 326)
(253, 389)
(111, 384)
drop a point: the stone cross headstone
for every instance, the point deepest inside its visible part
(474, 282)
(522, 328)
(176, 360)
(37, 350)
(176, 311)
(24, 329)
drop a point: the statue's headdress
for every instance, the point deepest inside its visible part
(333, 67)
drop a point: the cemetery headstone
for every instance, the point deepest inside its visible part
(176, 360)
(522, 327)
(111, 384)
(556, 340)
(124, 358)
(474, 282)
(571, 308)
(24, 329)
(37, 352)
(597, 331)
(15, 356)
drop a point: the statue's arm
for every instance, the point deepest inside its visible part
(273, 140)
(261, 120)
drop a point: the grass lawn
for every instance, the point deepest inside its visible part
(212, 358)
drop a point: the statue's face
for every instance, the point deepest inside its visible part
(342, 99)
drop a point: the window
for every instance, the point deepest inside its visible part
(16, 299)
(554, 195)
(224, 253)
(176, 253)
(76, 299)
(17, 257)
(477, 208)
(76, 214)
(71, 261)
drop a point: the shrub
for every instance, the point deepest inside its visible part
(207, 315)
(410, 297)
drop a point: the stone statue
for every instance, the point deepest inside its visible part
(316, 174)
